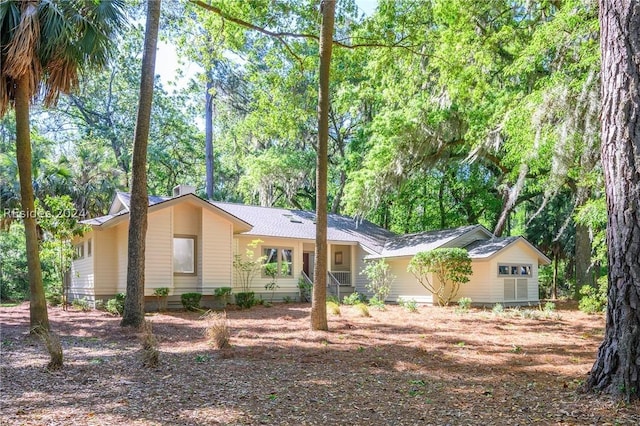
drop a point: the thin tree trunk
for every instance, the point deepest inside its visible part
(134, 303)
(584, 274)
(616, 371)
(208, 132)
(319, 305)
(38, 314)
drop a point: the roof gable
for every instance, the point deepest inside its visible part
(489, 248)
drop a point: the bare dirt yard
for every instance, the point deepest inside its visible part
(437, 366)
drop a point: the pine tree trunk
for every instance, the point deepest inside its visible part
(133, 314)
(39, 316)
(319, 299)
(616, 370)
(208, 132)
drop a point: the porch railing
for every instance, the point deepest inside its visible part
(333, 284)
(343, 277)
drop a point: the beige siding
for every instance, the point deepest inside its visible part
(186, 221)
(286, 285)
(122, 235)
(105, 263)
(517, 253)
(216, 252)
(158, 252)
(480, 288)
(360, 280)
(82, 272)
(405, 285)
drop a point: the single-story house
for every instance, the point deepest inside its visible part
(191, 244)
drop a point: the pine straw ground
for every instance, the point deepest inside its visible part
(436, 366)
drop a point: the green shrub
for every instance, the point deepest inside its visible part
(354, 298)
(222, 291)
(498, 309)
(410, 305)
(54, 299)
(374, 302)
(549, 307)
(81, 304)
(161, 291)
(464, 303)
(305, 288)
(287, 299)
(333, 299)
(379, 277)
(191, 301)
(594, 299)
(246, 299)
(115, 306)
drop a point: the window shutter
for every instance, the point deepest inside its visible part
(509, 289)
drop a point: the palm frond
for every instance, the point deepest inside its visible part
(21, 50)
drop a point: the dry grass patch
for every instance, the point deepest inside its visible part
(217, 330)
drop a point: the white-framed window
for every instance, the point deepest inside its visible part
(184, 254)
(279, 259)
(514, 269)
(89, 247)
(78, 251)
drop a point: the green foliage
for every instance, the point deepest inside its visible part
(409, 305)
(374, 302)
(222, 291)
(354, 298)
(549, 307)
(81, 304)
(594, 299)
(161, 291)
(14, 283)
(191, 301)
(497, 309)
(115, 306)
(334, 299)
(287, 299)
(380, 279)
(447, 267)
(246, 299)
(247, 266)
(305, 288)
(464, 304)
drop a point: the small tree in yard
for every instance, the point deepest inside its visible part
(380, 279)
(246, 267)
(451, 267)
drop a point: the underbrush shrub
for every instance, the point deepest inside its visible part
(191, 301)
(333, 308)
(115, 306)
(333, 299)
(81, 304)
(150, 353)
(246, 299)
(217, 330)
(464, 304)
(497, 309)
(53, 346)
(354, 298)
(594, 299)
(362, 309)
(376, 303)
(409, 305)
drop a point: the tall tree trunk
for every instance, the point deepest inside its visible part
(616, 370)
(319, 299)
(208, 132)
(38, 314)
(134, 303)
(584, 270)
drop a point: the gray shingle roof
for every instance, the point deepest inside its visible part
(410, 244)
(286, 223)
(487, 248)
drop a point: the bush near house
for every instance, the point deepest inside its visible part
(450, 266)
(191, 301)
